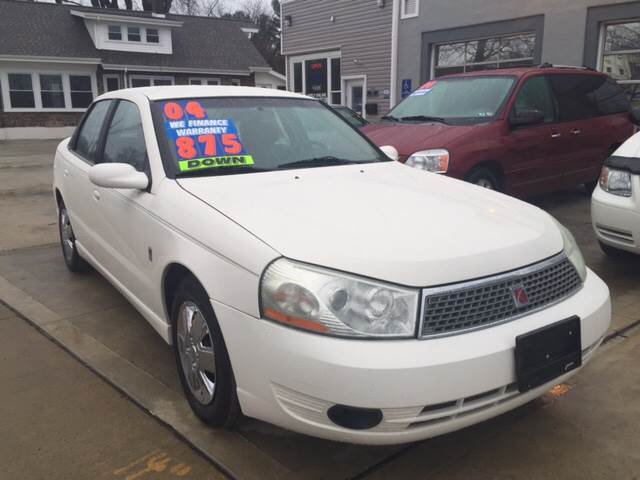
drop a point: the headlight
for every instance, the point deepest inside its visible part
(572, 251)
(436, 161)
(616, 182)
(334, 303)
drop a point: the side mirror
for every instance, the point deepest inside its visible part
(118, 175)
(525, 117)
(391, 152)
(635, 115)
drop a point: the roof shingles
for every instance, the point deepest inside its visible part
(49, 30)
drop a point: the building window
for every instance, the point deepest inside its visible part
(153, 35)
(236, 82)
(81, 91)
(51, 91)
(485, 54)
(621, 56)
(315, 72)
(115, 32)
(111, 83)
(336, 82)
(140, 82)
(297, 77)
(204, 81)
(409, 8)
(21, 90)
(318, 76)
(150, 81)
(133, 34)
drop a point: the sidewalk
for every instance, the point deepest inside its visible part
(60, 421)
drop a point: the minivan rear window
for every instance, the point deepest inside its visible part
(585, 96)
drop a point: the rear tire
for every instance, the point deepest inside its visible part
(201, 356)
(483, 177)
(72, 259)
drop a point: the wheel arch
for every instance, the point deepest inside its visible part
(173, 274)
(495, 167)
(58, 195)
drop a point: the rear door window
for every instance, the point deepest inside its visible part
(88, 140)
(587, 96)
(536, 95)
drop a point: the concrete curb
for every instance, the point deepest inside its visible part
(230, 452)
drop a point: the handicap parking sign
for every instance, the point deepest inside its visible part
(406, 87)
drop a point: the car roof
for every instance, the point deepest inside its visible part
(199, 91)
(522, 71)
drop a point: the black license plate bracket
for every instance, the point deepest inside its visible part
(547, 353)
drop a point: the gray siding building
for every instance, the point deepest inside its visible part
(399, 44)
(339, 51)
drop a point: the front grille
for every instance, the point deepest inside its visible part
(482, 303)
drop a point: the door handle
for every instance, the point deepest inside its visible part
(576, 131)
(556, 135)
(96, 195)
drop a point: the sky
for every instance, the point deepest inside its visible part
(229, 5)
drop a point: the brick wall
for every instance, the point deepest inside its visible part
(39, 119)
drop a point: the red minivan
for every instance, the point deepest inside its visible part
(523, 131)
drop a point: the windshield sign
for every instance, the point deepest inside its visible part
(215, 136)
(201, 142)
(455, 100)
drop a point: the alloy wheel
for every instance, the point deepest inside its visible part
(195, 347)
(66, 234)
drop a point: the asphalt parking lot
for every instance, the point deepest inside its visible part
(584, 429)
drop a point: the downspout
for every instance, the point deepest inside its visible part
(395, 20)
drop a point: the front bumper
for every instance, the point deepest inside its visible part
(423, 387)
(616, 220)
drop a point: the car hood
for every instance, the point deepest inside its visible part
(409, 138)
(384, 220)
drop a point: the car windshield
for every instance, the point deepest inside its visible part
(454, 100)
(217, 136)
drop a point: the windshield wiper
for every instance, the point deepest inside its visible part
(325, 161)
(422, 118)
(211, 172)
(390, 118)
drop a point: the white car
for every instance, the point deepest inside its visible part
(615, 204)
(306, 279)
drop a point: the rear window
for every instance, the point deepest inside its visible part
(585, 96)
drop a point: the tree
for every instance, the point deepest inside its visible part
(267, 40)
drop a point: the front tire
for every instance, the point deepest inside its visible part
(72, 259)
(201, 356)
(483, 177)
(613, 252)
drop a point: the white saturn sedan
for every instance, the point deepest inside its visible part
(615, 204)
(306, 279)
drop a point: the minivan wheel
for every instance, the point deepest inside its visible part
(72, 259)
(201, 356)
(483, 177)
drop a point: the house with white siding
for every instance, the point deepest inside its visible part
(55, 59)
